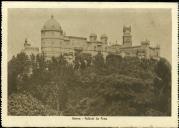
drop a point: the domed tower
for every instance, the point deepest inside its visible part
(51, 38)
(104, 38)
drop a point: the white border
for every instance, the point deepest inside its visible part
(64, 121)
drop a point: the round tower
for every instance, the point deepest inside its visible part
(51, 38)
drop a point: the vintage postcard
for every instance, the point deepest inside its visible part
(93, 64)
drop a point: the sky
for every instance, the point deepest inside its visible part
(152, 24)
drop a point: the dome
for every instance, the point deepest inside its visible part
(52, 24)
(93, 35)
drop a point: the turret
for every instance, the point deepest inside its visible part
(145, 46)
(26, 43)
(127, 38)
(158, 50)
(145, 43)
(104, 38)
(93, 37)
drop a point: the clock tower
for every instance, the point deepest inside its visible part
(127, 38)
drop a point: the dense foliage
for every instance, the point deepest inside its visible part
(23, 104)
(114, 86)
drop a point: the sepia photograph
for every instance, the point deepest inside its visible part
(90, 63)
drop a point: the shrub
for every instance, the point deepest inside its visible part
(23, 104)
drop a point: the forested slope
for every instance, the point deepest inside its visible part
(92, 86)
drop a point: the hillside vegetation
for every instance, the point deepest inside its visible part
(91, 86)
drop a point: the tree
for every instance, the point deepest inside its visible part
(118, 86)
(113, 60)
(98, 61)
(18, 68)
(162, 83)
(23, 104)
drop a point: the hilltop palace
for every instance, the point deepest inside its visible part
(54, 42)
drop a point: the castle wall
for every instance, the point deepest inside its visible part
(129, 51)
(50, 34)
(77, 42)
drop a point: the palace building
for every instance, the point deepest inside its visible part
(54, 42)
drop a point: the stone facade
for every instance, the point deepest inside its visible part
(144, 50)
(54, 42)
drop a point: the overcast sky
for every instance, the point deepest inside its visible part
(152, 24)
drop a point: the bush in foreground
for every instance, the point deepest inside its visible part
(22, 104)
